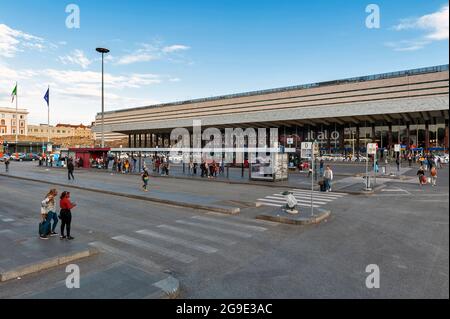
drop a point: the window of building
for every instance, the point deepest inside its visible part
(14, 116)
(3, 122)
(3, 116)
(13, 123)
(21, 117)
(13, 131)
(21, 132)
(3, 131)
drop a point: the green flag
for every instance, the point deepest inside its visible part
(14, 94)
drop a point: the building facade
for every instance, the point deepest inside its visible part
(9, 122)
(60, 131)
(409, 107)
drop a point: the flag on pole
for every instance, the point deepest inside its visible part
(14, 93)
(47, 97)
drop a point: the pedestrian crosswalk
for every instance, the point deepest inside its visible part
(303, 197)
(182, 241)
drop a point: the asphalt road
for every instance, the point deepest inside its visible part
(404, 230)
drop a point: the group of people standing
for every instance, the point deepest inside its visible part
(124, 166)
(210, 170)
(50, 219)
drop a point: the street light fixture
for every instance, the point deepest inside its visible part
(103, 51)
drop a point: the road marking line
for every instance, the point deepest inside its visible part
(230, 223)
(182, 242)
(316, 192)
(7, 220)
(218, 229)
(307, 197)
(308, 200)
(124, 254)
(321, 195)
(284, 202)
(157, 249)
(211, 238)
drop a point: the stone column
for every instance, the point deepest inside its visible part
(342, 139)
(408, 136)
(357, 142)
(446, 135)
(427, 136)
(389, 144)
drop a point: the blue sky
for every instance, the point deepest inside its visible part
(163, 51)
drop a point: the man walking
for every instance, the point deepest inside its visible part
(328, 178)
(70, 169)
(7, 164)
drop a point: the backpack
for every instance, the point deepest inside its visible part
(433, 172)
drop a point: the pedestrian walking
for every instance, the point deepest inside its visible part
(397, 162)
(70, 169)
(410, 160)
(7, 162)
(321, 167)
(195, 168)
(50, 211)
(433, 174)
(421, 175)
(145, 178)
(66, 215)
(328, 178)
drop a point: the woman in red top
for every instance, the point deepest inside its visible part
(66, 215)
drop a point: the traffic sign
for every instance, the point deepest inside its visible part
(372, 148)
(397, 148)
(290, 141)
(306, 150)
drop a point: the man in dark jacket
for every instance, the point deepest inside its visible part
(70, 169)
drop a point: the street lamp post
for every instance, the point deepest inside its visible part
(103, 51)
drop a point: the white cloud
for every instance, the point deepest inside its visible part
(150, 52)
(13, 41)
(76, 57)
(407, 45)
(136, 58)
(175, 48)
(436, 24)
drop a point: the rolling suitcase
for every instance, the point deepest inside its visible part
(44, 228)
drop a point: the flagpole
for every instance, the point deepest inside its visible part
(48, 116)
(17, 116)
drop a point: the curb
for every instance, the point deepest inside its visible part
(170, 289)
(228, 211)
(46, 264)
(286, 219)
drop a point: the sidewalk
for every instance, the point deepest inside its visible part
(28, 254)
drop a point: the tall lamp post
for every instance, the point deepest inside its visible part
(103, 51)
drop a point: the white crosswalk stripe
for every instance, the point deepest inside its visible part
(230, 223)
(184, 258)
(217, 229)
(200, 234)
(303, 197)
(211, 238)
(124, 254)
(182, 242)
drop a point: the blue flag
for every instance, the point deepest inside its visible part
(47, 97)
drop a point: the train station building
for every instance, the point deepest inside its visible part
(408, 107)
